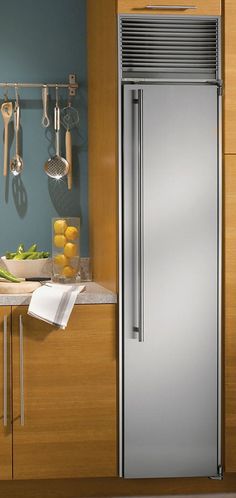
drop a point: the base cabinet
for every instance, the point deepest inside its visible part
(63, 396)
(5, 394)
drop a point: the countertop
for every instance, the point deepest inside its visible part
(93, 294)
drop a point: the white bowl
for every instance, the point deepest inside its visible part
(28, 268)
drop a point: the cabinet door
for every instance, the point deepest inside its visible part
(208, 7)
(68, 395)
(230, 313)
(5, 394)
(230, 77)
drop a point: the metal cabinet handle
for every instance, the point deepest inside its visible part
(22, 401)
(170, 7)
(5, 370)
(140, 218)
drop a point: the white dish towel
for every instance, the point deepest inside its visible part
(53, 303)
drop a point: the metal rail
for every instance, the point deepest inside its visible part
(72, 85)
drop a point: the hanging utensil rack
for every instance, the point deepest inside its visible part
(72, 85)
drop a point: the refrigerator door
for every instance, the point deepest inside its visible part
(170, 284)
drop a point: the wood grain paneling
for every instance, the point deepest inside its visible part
(230, 78)
(207, 7)
(230, 313)
(70, 396)
(79, 488)
(5, 432)
(103, 137)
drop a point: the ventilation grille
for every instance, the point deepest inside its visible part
(165, 48)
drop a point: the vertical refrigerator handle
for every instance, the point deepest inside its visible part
(140, 219)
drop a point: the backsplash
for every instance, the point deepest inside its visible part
(44, 42)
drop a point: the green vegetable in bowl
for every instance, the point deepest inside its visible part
(31, 253)
(39, 255)
(20, 249)
(10, 255)
(8, 276)
(32, 248)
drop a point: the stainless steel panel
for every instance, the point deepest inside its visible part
(170, 381)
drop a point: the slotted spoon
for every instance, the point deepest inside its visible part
(56, 167)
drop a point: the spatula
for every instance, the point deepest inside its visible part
(6, 110)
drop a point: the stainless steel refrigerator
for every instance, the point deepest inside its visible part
(170, 247)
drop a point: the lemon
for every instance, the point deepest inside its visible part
(60, 227)
(68, 271)
(61, 260)
(70, 250)
(59, 240)
(71, 233)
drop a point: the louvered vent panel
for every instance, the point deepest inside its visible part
(173, 47)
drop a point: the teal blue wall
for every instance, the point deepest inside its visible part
(42, 41)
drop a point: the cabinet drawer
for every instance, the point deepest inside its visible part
(206, 7)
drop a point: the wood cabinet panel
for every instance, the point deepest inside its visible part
(103, 140)
(5, 431)
(208, 7)
(69, 396)
(230, 313)
(230, 78)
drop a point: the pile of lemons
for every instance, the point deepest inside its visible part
(66, 238)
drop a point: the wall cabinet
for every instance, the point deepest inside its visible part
(63, 421)
(208, 7)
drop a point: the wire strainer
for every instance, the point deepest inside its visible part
(69, 116)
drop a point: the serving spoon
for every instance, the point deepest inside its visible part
(6, 110)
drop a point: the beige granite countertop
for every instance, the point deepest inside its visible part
(93, 294)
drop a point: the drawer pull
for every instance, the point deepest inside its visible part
(22, 401)
(5, 371)
(170, 7)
